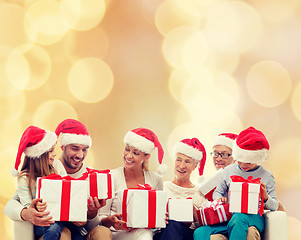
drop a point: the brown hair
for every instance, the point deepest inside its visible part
(36, 167)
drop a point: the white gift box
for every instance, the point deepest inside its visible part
(101, 185)
(66, 199)
(211, 182)
(244, 197)
(180, 210)
(142, 208)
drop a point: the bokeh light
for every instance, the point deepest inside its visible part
(82, 15)
(33, 64)
(177, 81)
(50, 113)
(43, 22)
(233, 26)
(296, 101)
(90, 80)
(268, 83)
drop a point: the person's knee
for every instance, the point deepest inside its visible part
(100, 232)
(218, 237)
(66, 234)
(253, 234)
(238, 219)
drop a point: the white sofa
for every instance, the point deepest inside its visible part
(276, 227)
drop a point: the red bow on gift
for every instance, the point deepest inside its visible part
(236, 178)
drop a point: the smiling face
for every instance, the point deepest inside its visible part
(184, 166)
(73, 156)
(134, 158)
(247, 166)
(220, 162)
(51, 155)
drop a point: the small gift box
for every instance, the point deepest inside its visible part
(208, 186)
(213, 212)
(244, 195)
(142, 207)
(100, 184)
(66, 197)
(180, 210)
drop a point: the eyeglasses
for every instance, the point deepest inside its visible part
(223, 155)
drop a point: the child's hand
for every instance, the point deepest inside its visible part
(41, 206)
(166, 217)
(223, 199)
(265, 193)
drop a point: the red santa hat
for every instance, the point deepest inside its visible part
(34, 142)
(74, 132)
(251, 146)
(225, 139)
(192, 148)
(144, 140)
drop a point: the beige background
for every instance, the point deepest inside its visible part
(183, 68)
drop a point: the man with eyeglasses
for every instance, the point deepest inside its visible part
(222, 157)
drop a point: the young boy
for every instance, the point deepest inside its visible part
(250, 147)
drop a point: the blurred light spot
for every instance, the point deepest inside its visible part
(82, 44)
(43, 22)
(177, 81)
(149, 9)
(177, 51)
(285, 148)
(195, 51)
(221, 61)
(169, 15)
(82, 15)
(8, 158)
(268, 83)
(296, 101)
(12, 107)
(12, 31)
(276, 11)
(6, 88)
(228, 84)
(33, 66)
(90, 80)
(50, 113)
(233, 27)
(10, 134)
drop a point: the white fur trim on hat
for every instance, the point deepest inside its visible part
(188, 151)
(41, 147)
(139, 142)
(69, 138)
(222, 140)
(249, 156)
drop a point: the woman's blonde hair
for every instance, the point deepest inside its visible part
(36, 167)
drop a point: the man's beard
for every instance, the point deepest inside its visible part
(70, 166)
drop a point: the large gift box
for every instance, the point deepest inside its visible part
(142, 207)
(66, 197)
(213, 212)
(244, 195)
(100, 184)
(208, 186)
(180, 210)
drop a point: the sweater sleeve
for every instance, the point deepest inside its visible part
(272, 202)
(221, 188)
(23, 191)
(13, 208)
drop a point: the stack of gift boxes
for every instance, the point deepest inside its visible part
(143, 207)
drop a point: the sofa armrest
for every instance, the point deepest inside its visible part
(23, 230)
(276, 225)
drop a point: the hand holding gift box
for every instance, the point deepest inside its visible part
(180, 210)
(66, 197)
(245, 194)
(100, 183)
(213, 212)
(143, 207)
(208, 186)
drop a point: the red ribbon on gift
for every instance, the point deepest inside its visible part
(245, 191)
(93, 181)
(66, 191)
(152, 200)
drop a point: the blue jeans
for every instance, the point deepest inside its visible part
(236, 228)
(175, 231)
(53, 232)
